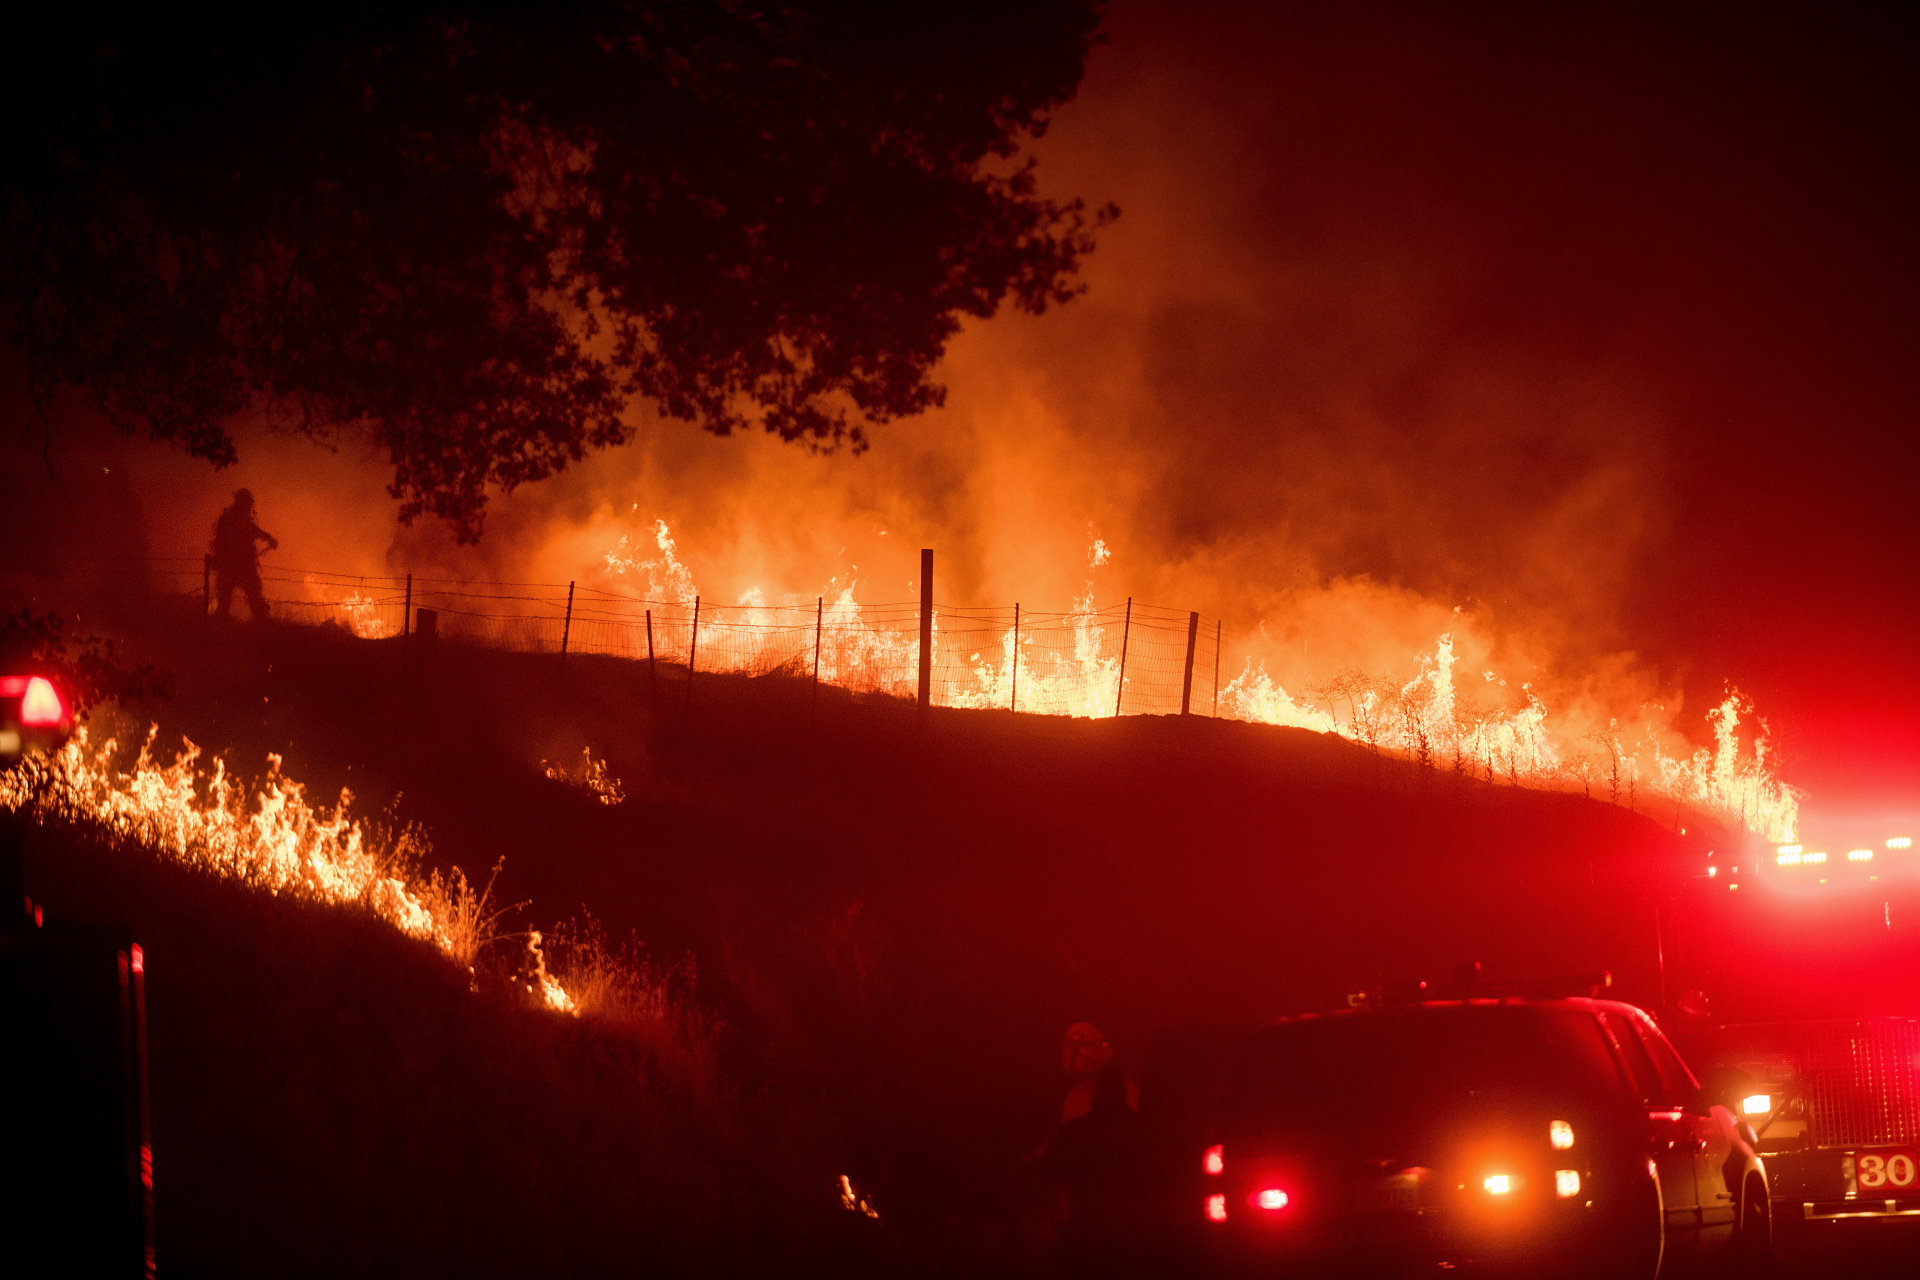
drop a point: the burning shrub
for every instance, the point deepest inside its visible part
(589, 775)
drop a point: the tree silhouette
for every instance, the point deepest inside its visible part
(479, 232)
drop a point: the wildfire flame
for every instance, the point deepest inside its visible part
(591, 776)
(269, 837)
(1422, 718)
(356, 610)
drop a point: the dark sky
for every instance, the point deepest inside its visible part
(1597, 325)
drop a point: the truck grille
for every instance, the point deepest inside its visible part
(1862, 1082)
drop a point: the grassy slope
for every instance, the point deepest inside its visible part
(896, 916)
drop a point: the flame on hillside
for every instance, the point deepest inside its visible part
(1424, 720)
(356, 610)
(269, 837)
(590, 776)
(1424, 717)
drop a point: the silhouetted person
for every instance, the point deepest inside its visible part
(236, 559)
(1084, 1054)
(1101, 1158)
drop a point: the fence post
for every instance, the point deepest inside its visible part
(926, 627)
(653, 678)
(819, 620)
(1126, 629)
(1216, 668)
(1013, 699)
(206, 587)
(693, 648)
(566, 628)
(1186, 680)
(406, 629)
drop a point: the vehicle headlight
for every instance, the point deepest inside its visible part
(1560, 1134)
(1756, 1104)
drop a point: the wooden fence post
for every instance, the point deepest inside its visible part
(1186, 680)
(1013, 698)
(693, 648)
(1126, 629)
(566, 628)
(819, 620)
(926, 627)
(653, 678)
(406, 629)
(206, 588)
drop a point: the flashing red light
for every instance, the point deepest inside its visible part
(139, 959)
(1214, 1163)
(40, 705)
(1272, 1199)
(1216, 1208)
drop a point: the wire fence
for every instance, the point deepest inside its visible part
(1117, 659)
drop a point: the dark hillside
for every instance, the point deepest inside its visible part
(897, 915)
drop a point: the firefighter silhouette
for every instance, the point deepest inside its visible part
(236, 559)
(1084, 1056)
(1100, 1156)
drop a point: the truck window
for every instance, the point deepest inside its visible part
(1394, 1072)
(1653, 1089)
(1582, 1050)
(1674, 1076)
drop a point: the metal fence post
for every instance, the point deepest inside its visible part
(653, 678)
(693, 648)
(1216, 668)
(1126, 629)
(926, 627)
(1013, 698)
(819, 621)
(566, 628)
(1186, 680)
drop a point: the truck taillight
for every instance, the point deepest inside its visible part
(1214, 1162)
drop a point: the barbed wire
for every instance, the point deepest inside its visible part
(1125, 658)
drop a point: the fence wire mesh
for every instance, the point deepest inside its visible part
(1117, 659)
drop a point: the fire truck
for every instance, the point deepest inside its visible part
(1792, 983)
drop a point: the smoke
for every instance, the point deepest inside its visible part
(1347, 374)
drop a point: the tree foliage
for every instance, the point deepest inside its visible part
(86, 668)
(479, 232)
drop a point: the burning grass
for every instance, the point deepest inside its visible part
(1428, 721)
(270, 837)
(267, 835)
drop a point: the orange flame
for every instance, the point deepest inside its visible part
(270, 838)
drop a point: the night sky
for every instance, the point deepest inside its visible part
(1597, 326)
